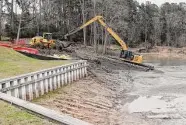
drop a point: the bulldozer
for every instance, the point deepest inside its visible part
(44, 41)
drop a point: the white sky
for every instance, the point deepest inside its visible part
(159, 2)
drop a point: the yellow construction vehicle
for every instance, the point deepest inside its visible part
(125, 55)
(43, 41)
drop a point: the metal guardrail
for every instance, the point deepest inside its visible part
(33, 85)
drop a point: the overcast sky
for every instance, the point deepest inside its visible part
(159, 2)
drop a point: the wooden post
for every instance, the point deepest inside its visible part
(8, 85)
(62, 76)
(85, 69)
(58, 78)
(80, 74)
(41, 84)
(46, 82)
(30, 89)
(23, 90)
(72, 73)
(77, 71)
(50, 82)
(16, 91)
(66, 77)
(55, 80)
(69, 73)
(36, 86)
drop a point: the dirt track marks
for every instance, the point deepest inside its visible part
(86, 100)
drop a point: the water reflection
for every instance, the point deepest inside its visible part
(164, 61)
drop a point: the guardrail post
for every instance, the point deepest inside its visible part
(8, 85)
(66, 77)
(23, 89)
(69, 73)
(30, 89)
(41, 84)
(55, 79)
(46, 82)
(16, 91)
(58, 77)
(86, 69)
(80, 74)
(83, 71)
(62, 76)
(36, 88)
(50, 81)
(78, 71)
(75, 70)
(72, 73)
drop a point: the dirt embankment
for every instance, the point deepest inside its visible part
(98, 98)
(165, 52)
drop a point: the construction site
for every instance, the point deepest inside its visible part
(92, 71)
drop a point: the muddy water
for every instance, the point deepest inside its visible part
(121, 96)
(160, 94)
(164, 61)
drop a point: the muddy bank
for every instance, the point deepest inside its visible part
(98, 98)
(160, 96)
(162, 52)
(123, 95)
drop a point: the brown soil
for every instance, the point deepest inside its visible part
(99, 98)
(166, 52)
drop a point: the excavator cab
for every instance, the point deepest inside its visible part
(130, 56)
(47, 36)
(127, 55)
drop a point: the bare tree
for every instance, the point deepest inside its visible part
(95, 30)
(84, 21)
(1, 7)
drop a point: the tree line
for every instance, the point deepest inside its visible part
(136, 23)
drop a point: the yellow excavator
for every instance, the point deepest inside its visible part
(125, 55)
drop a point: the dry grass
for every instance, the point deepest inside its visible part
(10, 115)
(13, 63)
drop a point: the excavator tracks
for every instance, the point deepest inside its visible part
(133, 64)
(143, 66)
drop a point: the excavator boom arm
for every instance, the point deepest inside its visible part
(83, 26)
(113, 34)
(100, 20)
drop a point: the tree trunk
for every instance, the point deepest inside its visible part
(105, 42)
(106, 34)
(91, 32)
(1, 4)
(40, 11)
(19, 29)
(84, 21)
(12, 19)
(95, 33)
